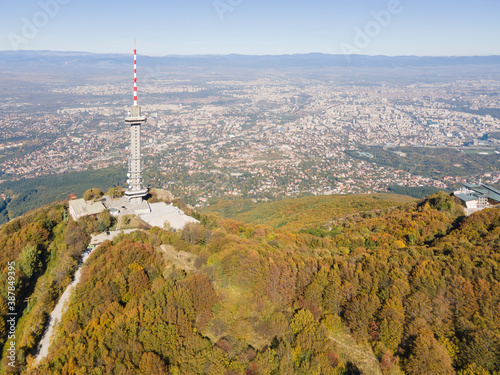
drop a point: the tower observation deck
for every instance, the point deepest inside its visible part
(136, 190)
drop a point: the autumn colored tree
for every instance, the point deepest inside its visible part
(418, 283)
(202, 291)
(193, 233)
(359, 313)
(473, 369)
(151, 364)
(481, 347)
(428, 357)
(280, 283)
(116, 192)
(92, 194)
(391, 318)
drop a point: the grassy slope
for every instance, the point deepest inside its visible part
(301, 213)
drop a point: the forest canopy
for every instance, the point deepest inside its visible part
(408, 289)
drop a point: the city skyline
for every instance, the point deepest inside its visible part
(390, 27)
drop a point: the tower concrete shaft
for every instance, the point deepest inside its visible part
(136, 190)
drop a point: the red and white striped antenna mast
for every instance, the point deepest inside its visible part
(136, 190)
(135, 73)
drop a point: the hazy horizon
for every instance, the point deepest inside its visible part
(243, 54)
(257, 28)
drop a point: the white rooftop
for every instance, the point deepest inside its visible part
(162, 212)
(82, 208)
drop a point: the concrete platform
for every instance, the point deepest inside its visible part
(125, 207)
(162, 212)
(97, 239)
(155, 214)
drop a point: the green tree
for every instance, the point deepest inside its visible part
(30, 261)
(105, 221)
(442, 201)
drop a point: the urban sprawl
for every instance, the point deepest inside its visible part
(262, 138)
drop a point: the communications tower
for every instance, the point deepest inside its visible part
(136, 190)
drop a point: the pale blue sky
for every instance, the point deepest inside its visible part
(420, 27)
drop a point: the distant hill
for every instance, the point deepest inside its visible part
(48, 60)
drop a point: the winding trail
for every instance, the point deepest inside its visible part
(178, 258)
(56, 315)
(361, 357)
(353, 349)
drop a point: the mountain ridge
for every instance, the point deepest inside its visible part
(238, 60)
